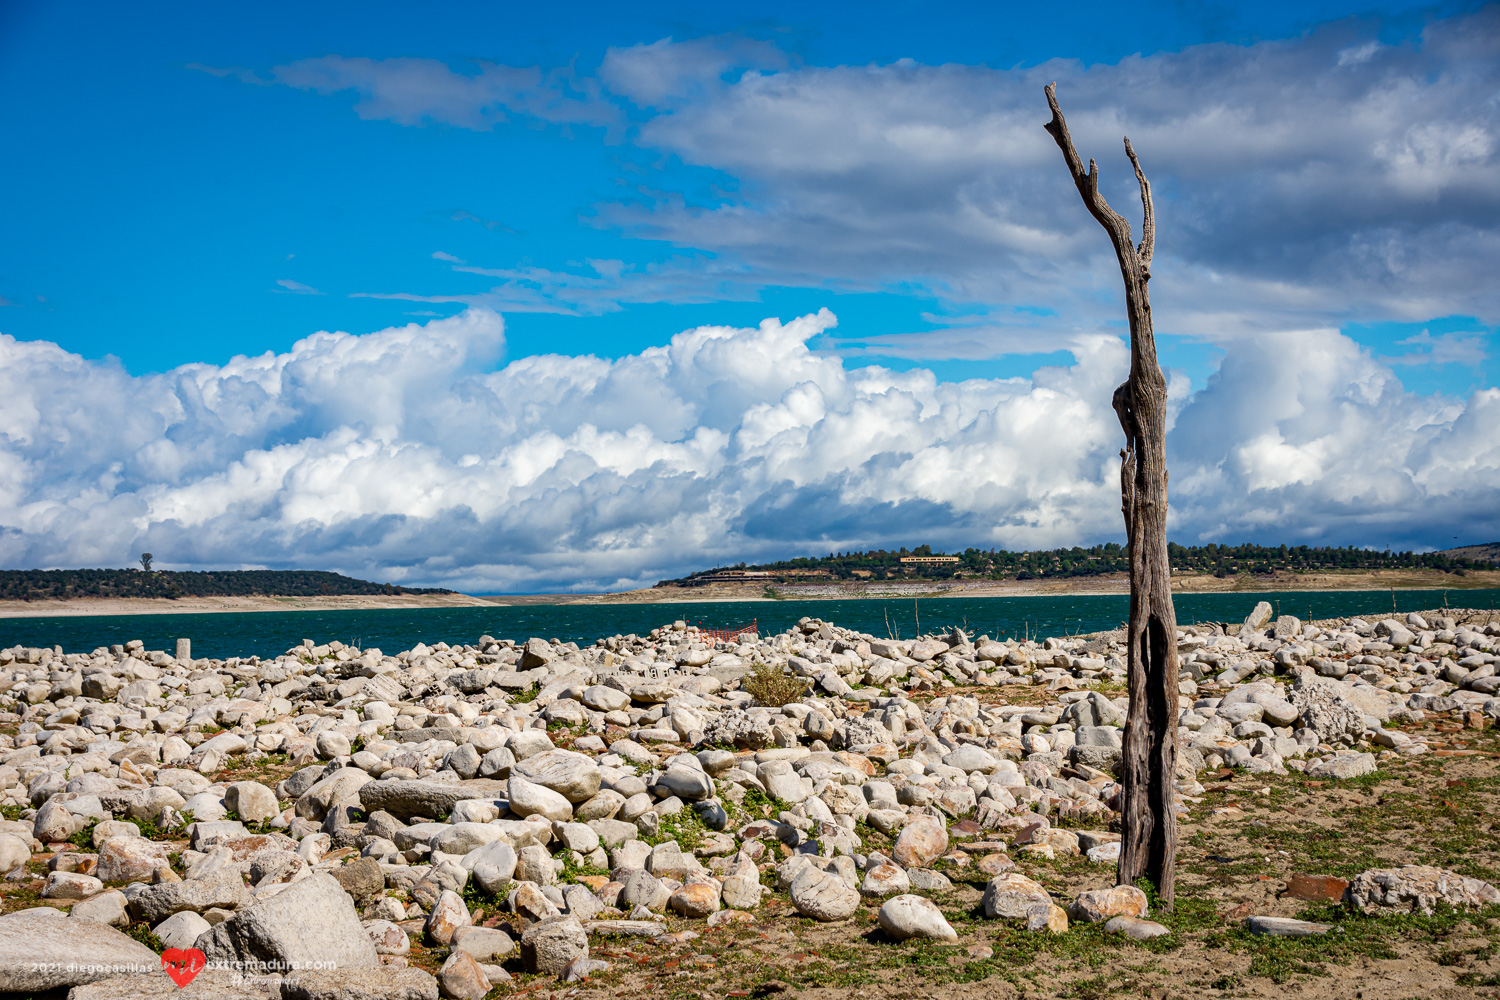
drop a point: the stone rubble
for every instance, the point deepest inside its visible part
(1418, 888)
(588, 791)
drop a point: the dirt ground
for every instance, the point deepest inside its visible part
(1241, 844)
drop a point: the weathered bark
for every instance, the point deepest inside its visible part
(1148, 820)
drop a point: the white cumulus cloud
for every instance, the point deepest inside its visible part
(408, 455)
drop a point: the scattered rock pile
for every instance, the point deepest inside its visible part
(508, 801)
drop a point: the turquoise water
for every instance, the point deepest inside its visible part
(271, 633)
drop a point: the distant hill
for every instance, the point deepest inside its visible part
(922, 563)
(54, 584)
(1486, 553)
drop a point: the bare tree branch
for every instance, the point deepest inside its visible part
(1087, 181)
(1148, 223)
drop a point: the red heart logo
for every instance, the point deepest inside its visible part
(183, 964)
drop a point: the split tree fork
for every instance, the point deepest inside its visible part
(1148, 769)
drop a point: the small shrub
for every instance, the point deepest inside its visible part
(571, 872)
(475, 897)
(151, 831)
(774, 686)
(686, 827)
(760, 805)
(84, 839)
(141, 931)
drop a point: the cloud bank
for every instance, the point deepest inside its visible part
(406, 455)
(1323, 177)
(1310, 181)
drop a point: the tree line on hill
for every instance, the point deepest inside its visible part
(1097, 560)
(53, 584)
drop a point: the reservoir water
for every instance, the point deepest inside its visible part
(270, 633)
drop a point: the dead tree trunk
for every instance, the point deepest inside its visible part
(1148, 819)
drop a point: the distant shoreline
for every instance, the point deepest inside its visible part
(1371, 581)
(106, 606)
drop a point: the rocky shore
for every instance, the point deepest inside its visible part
(449, 819)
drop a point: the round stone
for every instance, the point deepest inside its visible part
(331, 745)
(970, 759)
(922, 841)
(572, 775)
(1046, 917)
(181, 929)
(605, 699)
(14, 853)
(1105, 854)
(534, 864)
(605, 805)
(995, 864)
(447, 916)
(130, 859)
(68, 885)
(823, 896)
(687, 783)
(461, 978)
(549, 945)
(1134, 927)
(461, 838)
(527, 798)
(1097, 905)
(884, 880)
(695, 899)
(1009, 896)
(251, 801)
(909, 916)
(387, 937)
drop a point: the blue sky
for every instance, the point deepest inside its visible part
(190, 184)
(164, 205)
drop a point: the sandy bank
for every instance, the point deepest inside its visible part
(1115, 584)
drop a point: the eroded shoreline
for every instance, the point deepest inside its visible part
(1433, 581)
